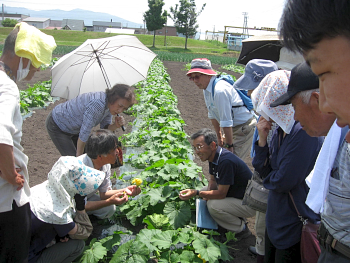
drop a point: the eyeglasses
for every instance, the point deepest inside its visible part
(197, 148)
(195, 77)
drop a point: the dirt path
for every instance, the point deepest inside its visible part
(43, 154)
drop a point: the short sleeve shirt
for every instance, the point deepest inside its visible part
(228, 169)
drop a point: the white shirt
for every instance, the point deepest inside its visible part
(220, 108)
(10, 134)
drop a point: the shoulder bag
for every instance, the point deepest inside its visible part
(256, 194)
(309, 246)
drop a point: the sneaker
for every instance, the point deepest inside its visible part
(252, 250)
(244, 233)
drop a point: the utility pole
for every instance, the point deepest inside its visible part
(165, 32)
(245, 25)
(144, 26)
(3, 12)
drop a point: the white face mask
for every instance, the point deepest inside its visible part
(21, 72)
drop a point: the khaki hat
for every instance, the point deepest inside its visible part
(201, 65)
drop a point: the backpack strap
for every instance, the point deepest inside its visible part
(241, 95)
(213, 86)
(219, 77)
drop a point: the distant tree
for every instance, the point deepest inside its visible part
(185, 18)
(9, 22)
(154, 17)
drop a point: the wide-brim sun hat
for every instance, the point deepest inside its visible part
(269, 90)
(301, 78)
(53, 200)
(201, 65)
(255, 71)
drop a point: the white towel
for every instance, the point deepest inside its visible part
(318, 179)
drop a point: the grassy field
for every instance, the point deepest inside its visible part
(173, 44)
(173, 49)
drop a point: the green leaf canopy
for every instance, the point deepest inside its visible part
(179, 213)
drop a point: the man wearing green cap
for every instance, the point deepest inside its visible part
(35, 48)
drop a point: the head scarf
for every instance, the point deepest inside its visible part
(271, 88)
(34, 45)
(52, 200)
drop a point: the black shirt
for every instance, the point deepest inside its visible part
(228, 169)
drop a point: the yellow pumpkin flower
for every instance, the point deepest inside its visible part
(137, 181)
(199, 255)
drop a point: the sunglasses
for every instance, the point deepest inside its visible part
(195, 77)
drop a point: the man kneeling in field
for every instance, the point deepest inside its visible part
(229, 176)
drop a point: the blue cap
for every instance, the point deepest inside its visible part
(255, 71)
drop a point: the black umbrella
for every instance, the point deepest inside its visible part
(260, 47)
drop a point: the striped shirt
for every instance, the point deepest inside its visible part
(336, 213)
(81, 114)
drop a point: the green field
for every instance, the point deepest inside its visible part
(173, 50)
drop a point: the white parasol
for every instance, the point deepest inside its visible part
(98, 64)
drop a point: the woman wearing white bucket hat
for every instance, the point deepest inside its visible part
(58, 209)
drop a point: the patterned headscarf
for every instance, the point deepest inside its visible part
(271, 88)
(52, 201)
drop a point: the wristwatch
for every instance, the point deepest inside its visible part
(228, 145)
(197, 192)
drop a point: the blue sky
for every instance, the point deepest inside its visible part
(216, 14)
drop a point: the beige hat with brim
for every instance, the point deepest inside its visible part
(201, 65)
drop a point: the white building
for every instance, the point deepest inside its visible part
(125, 31)
(38, 22)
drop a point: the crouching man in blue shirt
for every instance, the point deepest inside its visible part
(229, 176)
